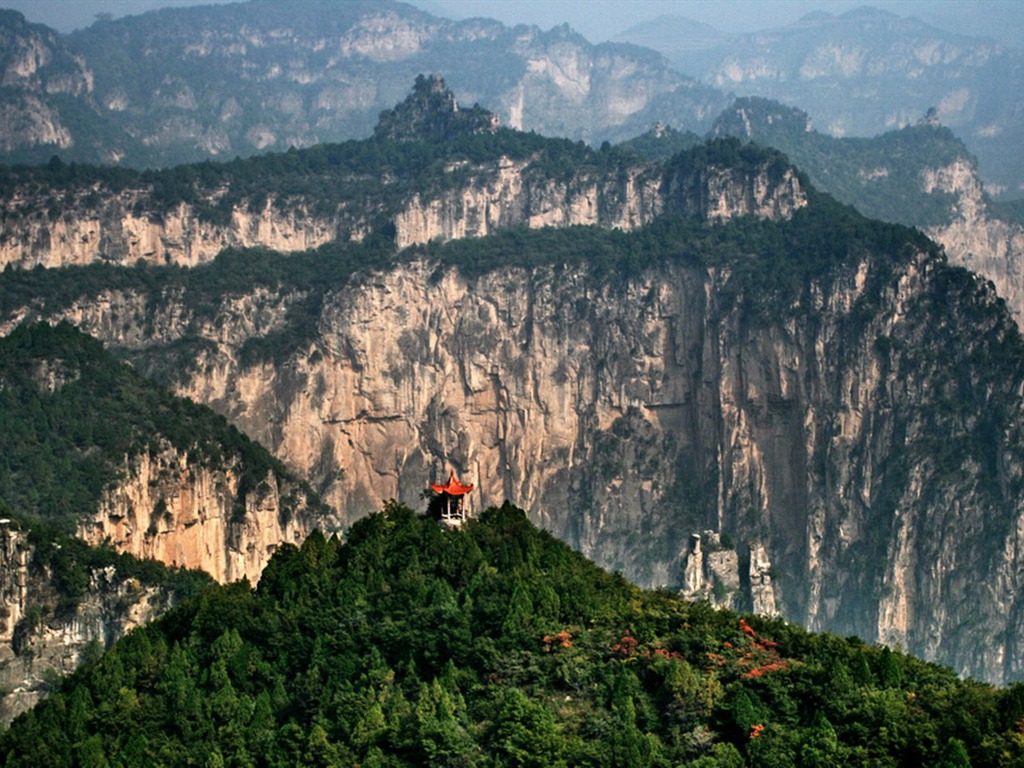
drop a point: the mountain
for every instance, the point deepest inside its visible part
(680, 38)
(494, 644)
(722, 348)
(185, 84)
(64, 602)
(38, 71)
(921, 175)
(867, 71)
(90, 446)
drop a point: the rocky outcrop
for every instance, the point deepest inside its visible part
(177, 509)
(922, 176)
(41, 639)
(513, 196)
(35, 66)
(127, 228)
(974, 238)
(715, 572)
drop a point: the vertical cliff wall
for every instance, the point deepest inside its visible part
(176, 508)
(129, 222)
(867, 436)
(974, 238)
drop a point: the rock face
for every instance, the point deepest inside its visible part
(96, 224)
(170, 507)
(922, 176)
(39, 643)
(974, 238)
(625, 414)
(36, 66)
(867, 437)
(715, 572)
(120, 230)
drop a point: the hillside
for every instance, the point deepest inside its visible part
(920, 175)
(90, 452)
(219, 81)
(496, 645)
(91, 447)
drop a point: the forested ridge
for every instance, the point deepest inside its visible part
(420, 147)
(410, 644)
(769, 264)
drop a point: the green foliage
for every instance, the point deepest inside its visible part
(881, 175)
(659, 143)
(768, 263)
(391, 649)
(70, 416)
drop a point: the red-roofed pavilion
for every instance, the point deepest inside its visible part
(452, 514)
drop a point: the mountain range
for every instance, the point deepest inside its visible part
(634, 351)
(743, 375)
(185, 84)
(863, 72)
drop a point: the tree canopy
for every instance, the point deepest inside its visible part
(410, 644)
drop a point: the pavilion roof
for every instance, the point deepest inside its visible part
(453, 487)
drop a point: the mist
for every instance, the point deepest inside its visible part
(602, 20)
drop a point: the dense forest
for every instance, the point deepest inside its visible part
(411, 644)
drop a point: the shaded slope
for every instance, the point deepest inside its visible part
(73, 416)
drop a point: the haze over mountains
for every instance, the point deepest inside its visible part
(863, 72)
(137, 96)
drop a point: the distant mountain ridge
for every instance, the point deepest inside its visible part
(921, 175)
(867, 71)
(185, 84)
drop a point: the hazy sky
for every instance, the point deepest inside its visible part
(599, 20)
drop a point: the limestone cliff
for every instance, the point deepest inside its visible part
(41, 640)
(176, 509)
(922, 175)
(96, 223)
(976, 239)
(36, 66)
(624, 414)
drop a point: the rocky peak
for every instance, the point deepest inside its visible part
(431, 113)
(32, 56)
